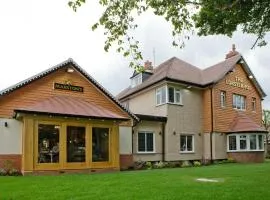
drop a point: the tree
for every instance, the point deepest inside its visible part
(266, 124)
(203, 17)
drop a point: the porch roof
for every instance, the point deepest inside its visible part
(71, 107)
(243, 123)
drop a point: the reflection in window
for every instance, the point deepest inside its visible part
(100, 144)
(186, 142)
(48, 143)
(232, 142)
(75, 144)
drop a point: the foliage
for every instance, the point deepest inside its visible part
(186, 163)
(197, 164)
(3, 172)
(159, 165)
(206, 17)
(8, 169)
(266, 124)
(148, 165)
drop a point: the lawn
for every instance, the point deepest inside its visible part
(236, 181)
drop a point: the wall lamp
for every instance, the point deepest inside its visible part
(250, 77)
(6, 124)
(70, 70)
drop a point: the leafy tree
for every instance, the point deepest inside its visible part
(203, 17)
(266, 122)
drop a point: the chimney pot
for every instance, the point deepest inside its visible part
(148, 65)
(232, 53)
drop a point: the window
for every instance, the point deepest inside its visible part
(253, 104)
(222, 99)
(239, 102)
(168, 95)
(146, 142)
(186, 143)
(245, 142)
(174, 95)
(100, 144)
(136, 80)
(161, 96)
(232, 142)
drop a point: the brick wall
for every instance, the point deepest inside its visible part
(15, 159)
(247, 157)
(126, 161)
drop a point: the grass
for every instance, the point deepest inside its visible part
(239, 181)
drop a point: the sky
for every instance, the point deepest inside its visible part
(36, 35)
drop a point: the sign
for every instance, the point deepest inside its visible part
(74, 88)
(238, 82)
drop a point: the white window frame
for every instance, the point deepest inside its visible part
(136, 80)
(176, 92)
(247, 135)
(239, 102)
(146, 152)
(222, 99)
(193, 144)
(159, 94)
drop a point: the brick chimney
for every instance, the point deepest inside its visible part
(148, 66)
(232, 52)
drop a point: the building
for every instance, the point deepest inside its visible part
(192, 114)
(60, 120)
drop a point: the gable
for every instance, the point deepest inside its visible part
(38, 89)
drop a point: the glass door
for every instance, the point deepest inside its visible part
(100, 144)
(75, 149)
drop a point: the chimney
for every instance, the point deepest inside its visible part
(148, 66)
(232, 52)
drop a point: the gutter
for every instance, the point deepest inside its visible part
(163, 141)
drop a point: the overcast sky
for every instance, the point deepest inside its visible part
(36, 35)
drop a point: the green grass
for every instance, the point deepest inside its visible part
(240, 181)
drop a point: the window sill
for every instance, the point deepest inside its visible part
(177, 104)
(186, 152)
(143, 153)
(157, 105)
(239, 109)
(244, 151)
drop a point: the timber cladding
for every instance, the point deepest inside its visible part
(236, 82)
(43, 88)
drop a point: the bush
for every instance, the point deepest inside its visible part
(197, 164)
(14, 172)
(3, 172)
(159, 165)
(186, 163)
(139, 165)
(148, 165)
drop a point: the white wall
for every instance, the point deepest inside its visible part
(10, 136)
(125, 140)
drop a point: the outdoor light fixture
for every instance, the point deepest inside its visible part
(70, 70)
(189, 86)
(6, 124)
(250, 77)
(242, 61)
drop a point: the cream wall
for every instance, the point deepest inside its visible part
(125, 140)
(10, 136)
(156, 128)
(219, 146)
(185, 119)
(145, 103)
(206, 146)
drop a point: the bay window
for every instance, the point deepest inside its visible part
(245, 142)
(168, 95)
(161, 95)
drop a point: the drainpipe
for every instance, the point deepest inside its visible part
(163, 141)
(212, 126)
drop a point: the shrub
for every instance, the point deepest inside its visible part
(3, 172)
(7, 165)
(14, 172)
(139, 165)
(159, 165)
(148, 165)
(197, 164)
(186, 163)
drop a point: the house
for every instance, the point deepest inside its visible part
(61, 120)
(192, 114)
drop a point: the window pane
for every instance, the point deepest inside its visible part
(75, 144)
(189, 143)
(163, 95)
(183, 144)
(252, 140)
(158, 98)
(100, 144)
(171, 95)
(260, 138)
(177, 96)
(150, 142)
(141, 142)
(222, 99)
(232, 142)
(243, 142)
(48, 143)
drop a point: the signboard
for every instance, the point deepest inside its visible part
(74, 88)
(238, 82)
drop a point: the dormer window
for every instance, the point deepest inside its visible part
(136, 80)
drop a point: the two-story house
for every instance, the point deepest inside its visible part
(192, 114)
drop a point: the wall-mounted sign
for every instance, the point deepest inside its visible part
(60, 86)
(238, 82)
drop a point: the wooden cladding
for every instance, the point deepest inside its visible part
(43, 88)
(224, 116)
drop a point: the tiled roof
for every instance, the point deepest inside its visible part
(242, 123)
(177, 70)
(70, 106)
(61, 65)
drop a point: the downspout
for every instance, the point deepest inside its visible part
(212, 126)
(163, 141)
